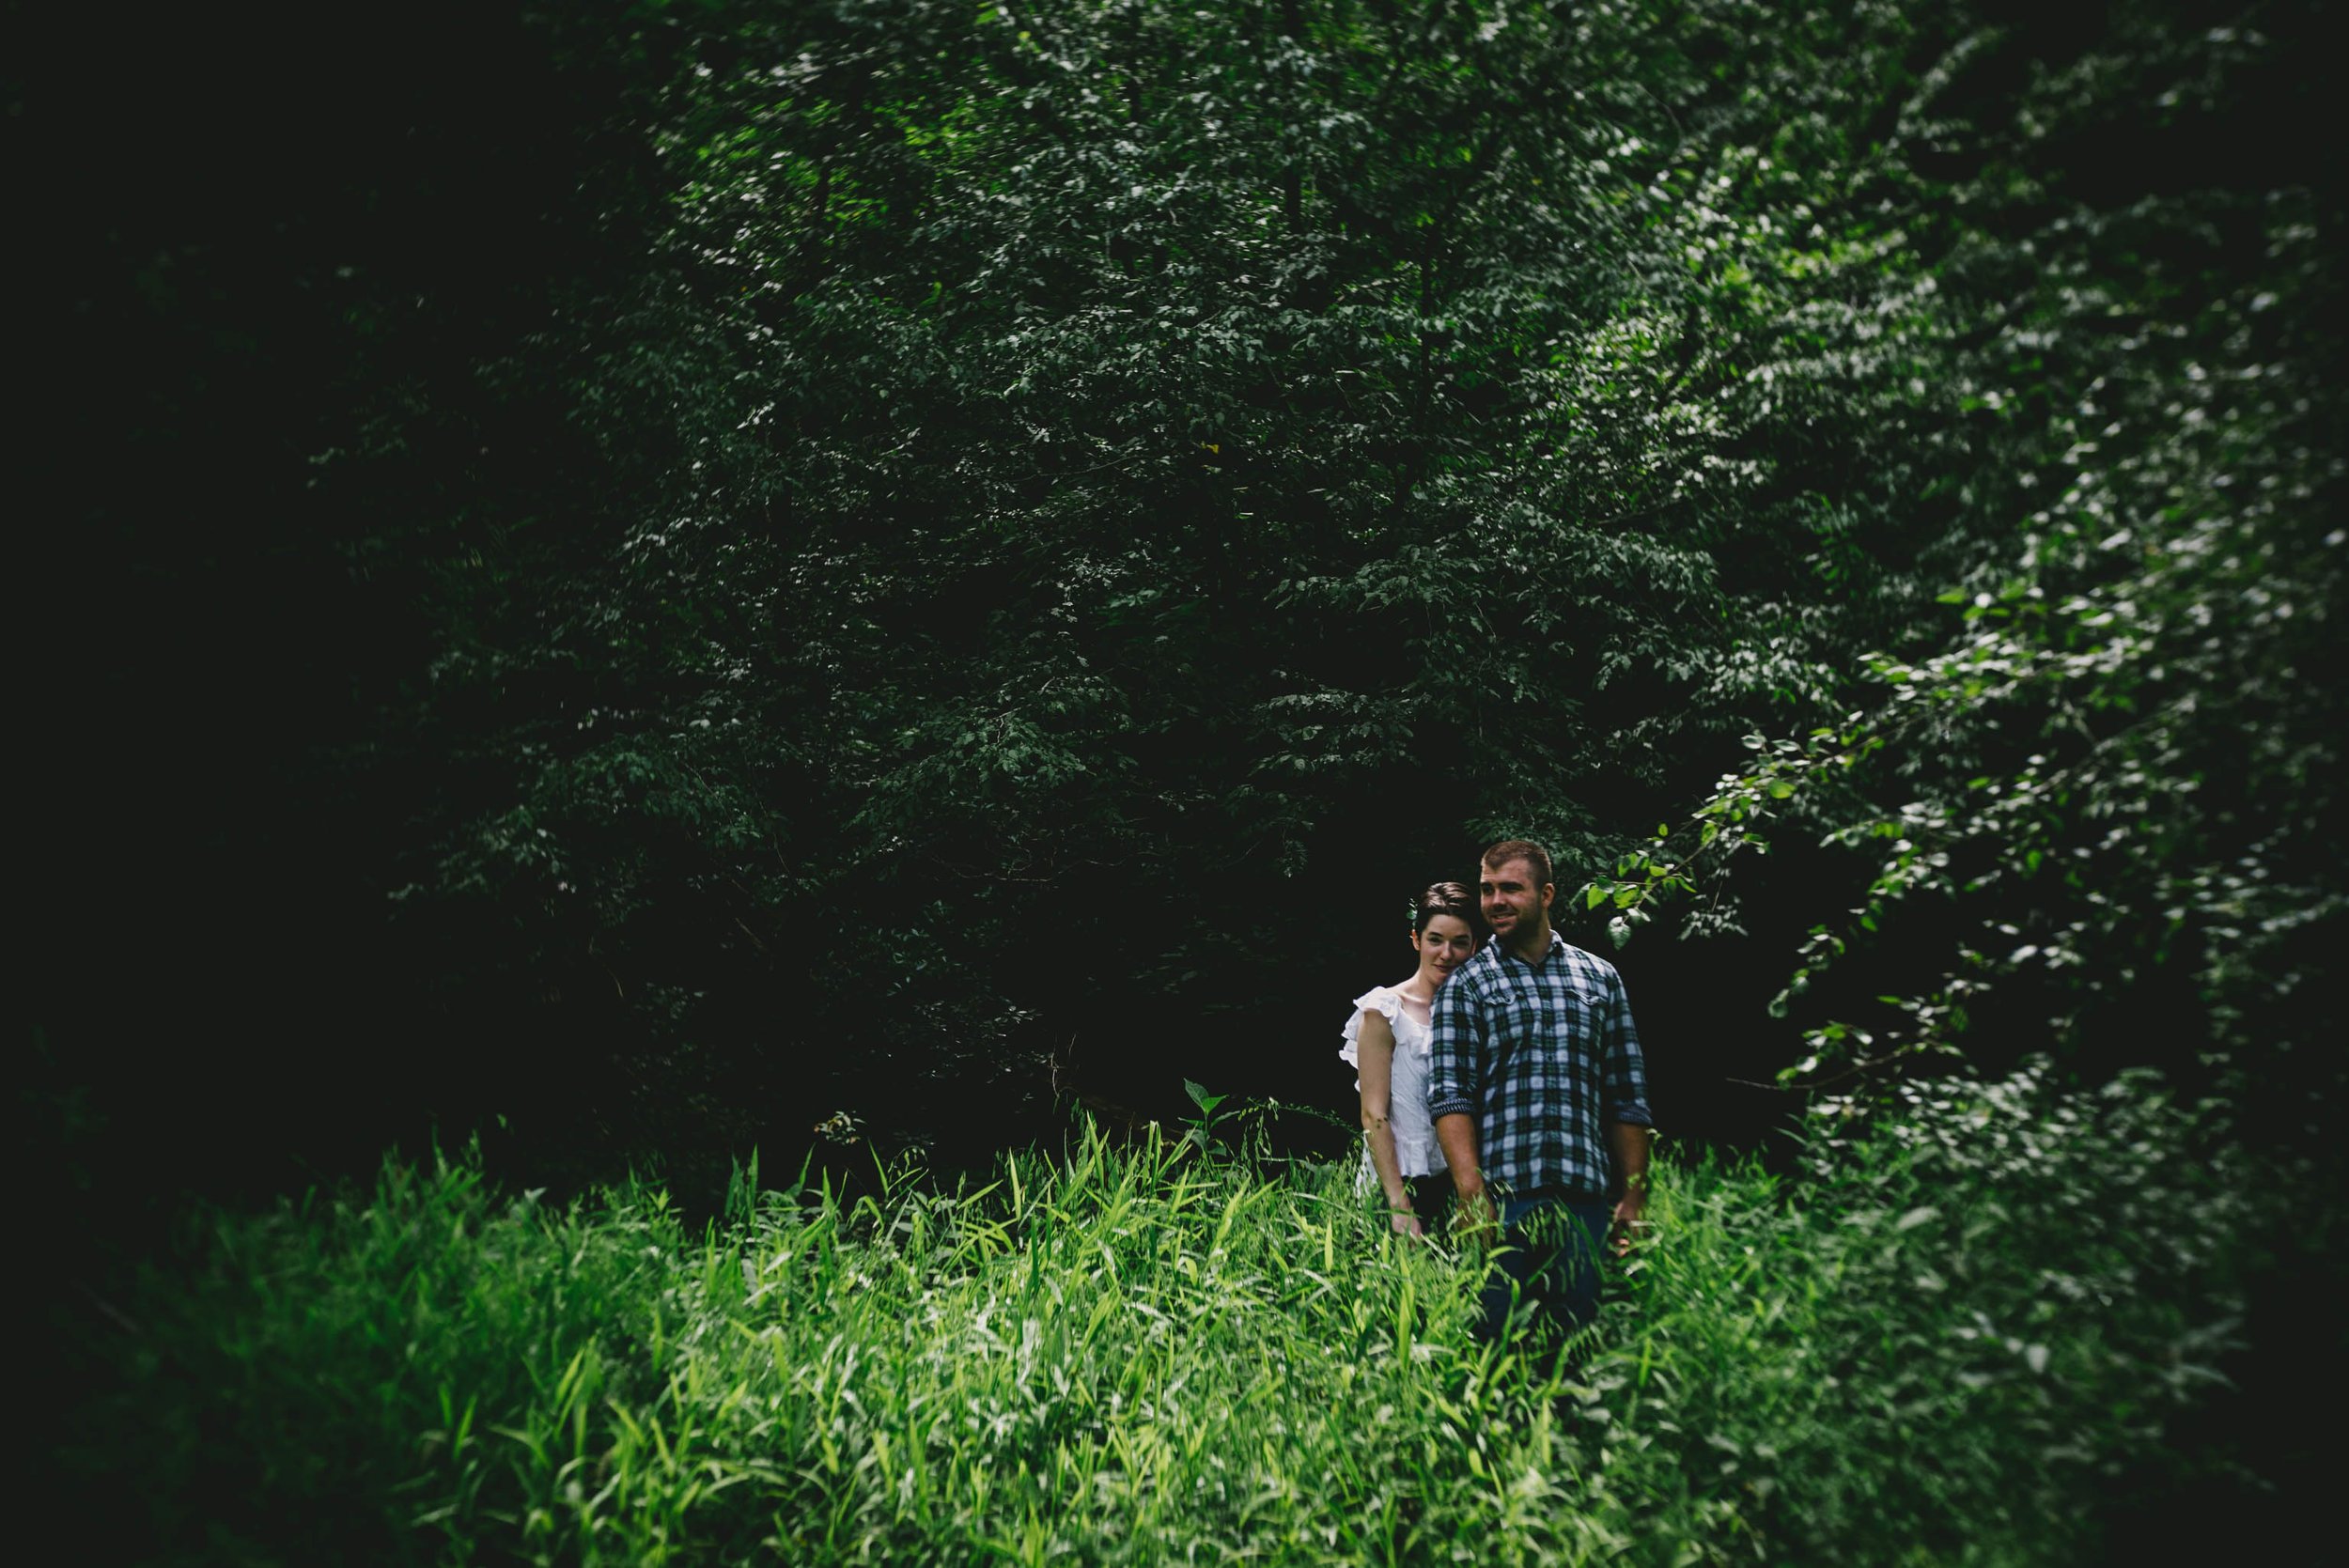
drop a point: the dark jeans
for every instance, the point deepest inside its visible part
(1546, 1274)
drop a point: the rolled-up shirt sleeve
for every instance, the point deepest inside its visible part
(1456, 1051)
(1622, 1071)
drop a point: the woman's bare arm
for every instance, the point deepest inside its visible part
(1374, 1059)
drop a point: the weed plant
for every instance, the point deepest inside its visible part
(1949, 1340)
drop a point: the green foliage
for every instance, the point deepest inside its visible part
(1201, 1132)
(936, 483)
(942, 459)
(1068, 443)
(980, 496)
(1976, 1312)
(1143, 1355)
(2101, 742)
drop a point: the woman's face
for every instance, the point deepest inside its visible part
(1444, 944)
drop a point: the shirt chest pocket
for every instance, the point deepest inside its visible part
(1543, 1020)
(1572, 1014)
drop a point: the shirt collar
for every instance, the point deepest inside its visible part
(1557, 945)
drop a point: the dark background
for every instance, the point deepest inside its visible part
(311, 310)
(247, 233)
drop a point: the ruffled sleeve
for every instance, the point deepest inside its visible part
(1380, 1000)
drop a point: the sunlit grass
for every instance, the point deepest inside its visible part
(1143, 1355)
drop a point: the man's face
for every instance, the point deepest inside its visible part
(1512, 902)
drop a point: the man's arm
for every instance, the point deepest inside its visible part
(1457, 1132)
(1630, 1141)
(1623, 1079)
(1454, 1056)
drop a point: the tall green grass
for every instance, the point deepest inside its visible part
(1943, 1343)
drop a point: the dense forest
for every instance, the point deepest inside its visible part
(641, 582)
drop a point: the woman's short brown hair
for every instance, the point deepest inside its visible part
(1447, 899)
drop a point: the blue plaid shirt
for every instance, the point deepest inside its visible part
(1543, 1059)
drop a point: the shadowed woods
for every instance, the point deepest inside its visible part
(668, 580)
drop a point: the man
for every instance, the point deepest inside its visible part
(1539, 1097)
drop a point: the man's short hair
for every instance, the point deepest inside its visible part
(1535, 858)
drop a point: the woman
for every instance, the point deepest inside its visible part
(1387, 1042)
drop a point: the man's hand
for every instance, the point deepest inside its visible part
(1405, 1222)
(1630, 1145)
(1475, 1224)
(1630, 1225)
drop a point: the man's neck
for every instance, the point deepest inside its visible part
(1531, 946)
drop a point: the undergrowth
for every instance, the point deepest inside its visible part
(1957, 1337)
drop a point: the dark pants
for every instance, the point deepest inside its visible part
(1546, 1274)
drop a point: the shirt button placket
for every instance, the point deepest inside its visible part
(1549, 1034)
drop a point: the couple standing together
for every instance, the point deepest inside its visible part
(1503, 1083)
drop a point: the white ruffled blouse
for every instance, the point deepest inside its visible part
(1416, 1152)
